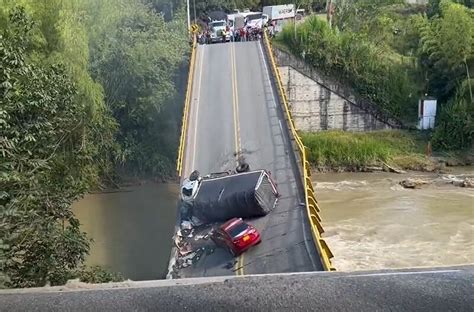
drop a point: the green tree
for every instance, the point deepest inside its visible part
(136, 57)
(40, 144)
(447, 49)
(447, 54)
(355, 60)
(89, 88)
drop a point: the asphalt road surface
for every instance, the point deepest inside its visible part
(444, 289)
(234, 109)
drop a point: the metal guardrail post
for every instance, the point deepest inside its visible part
(312, 207)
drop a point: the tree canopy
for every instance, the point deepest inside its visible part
(395, 53)
(90, 89)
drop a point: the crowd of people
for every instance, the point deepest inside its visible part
(246, 33)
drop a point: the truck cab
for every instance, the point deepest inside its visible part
(216, 28)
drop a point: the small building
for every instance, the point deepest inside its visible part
(426, 113)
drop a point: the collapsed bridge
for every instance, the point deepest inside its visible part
(236, 107)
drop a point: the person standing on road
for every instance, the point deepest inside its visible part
(224, 35)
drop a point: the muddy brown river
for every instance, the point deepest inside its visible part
(372, 222)
(131, 229)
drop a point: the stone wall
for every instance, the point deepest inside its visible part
(318, 103)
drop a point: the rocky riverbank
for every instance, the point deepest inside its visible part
(402, 164)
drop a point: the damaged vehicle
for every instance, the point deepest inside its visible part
(240, 195)
(212, 210)
(236, 235)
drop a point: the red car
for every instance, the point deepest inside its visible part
(236, 235)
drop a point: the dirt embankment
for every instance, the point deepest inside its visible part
(405, 163)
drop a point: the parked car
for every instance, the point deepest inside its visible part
(236, 235)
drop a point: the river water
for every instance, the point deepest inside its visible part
(372, 222)
(131, 229)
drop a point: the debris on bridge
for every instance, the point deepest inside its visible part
(192, 242)
(208, 201)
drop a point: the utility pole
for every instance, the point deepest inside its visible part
(294, 18)
(189, 17)
(329, 12)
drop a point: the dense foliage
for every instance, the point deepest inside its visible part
(88, 88)
(447, 58)
(353, 58)
(136, 57)
(393, 53)
(97, 274)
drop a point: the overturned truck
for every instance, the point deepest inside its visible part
(245, 195)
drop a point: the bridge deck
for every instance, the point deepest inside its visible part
(234, 108)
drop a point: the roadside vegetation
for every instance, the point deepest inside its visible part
(349, 151)
(394, 53)
(89, 90)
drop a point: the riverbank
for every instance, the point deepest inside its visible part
(388, 150)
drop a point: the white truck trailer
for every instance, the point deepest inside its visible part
(278, 15)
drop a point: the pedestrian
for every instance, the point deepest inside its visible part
(224, 35)
(237, 35)
(242, 34)
(271, 31)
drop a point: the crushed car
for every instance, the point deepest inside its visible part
(236, 235)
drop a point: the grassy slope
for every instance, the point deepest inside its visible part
(357, 150)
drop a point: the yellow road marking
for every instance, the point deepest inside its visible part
(239, 266)
(240, 271)
(235, 101)
(197, 109)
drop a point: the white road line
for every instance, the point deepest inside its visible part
(197, 108)
(266, 73)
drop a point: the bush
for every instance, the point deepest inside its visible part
(455, 126)
(98, 274)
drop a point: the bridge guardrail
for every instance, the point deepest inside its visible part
(184, 125)
(312, 206)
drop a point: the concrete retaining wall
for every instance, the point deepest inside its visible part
(318, 103)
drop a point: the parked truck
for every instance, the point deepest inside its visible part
(218, 31)
(279, 12)
(278, 15)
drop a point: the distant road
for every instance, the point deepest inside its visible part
(443, 289)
